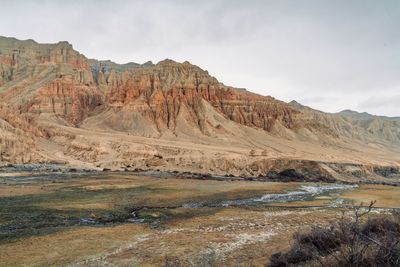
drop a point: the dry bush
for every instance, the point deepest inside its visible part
(252, 153)
(351, 241)
(207, 259)
(170, 261)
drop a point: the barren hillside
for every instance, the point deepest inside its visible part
(58, 106)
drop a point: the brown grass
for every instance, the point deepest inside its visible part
(385, 196)
(186, 235)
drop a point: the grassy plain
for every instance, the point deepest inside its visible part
(84, 220)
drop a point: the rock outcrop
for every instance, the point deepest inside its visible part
(360, 126)
(55, 104)
(160, 91)
(64, 82)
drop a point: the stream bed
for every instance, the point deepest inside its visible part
(46, 202)
(304, 193)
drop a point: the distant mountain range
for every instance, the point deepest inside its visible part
(364, 115)
(56, 105)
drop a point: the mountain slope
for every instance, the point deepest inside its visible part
(167, 116)
(364, 115)
(361, 126)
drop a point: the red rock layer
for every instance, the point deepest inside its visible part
(70, 100)
(20, 120)
(61, 81)
(169, 85)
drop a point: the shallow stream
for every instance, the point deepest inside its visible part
(304, 193)
(66, 199)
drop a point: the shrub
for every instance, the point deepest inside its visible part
(206, 259)
(170, 261)
(351, 241)
(252, 153)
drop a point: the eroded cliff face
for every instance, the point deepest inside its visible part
(153, 99)
(19, 53)
(55, 104)
(160, 91)
(19, 120)
(63, 82)
(68, 99)
(46, 78)
(18, 136)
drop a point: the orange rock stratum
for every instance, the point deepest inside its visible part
(58, 106)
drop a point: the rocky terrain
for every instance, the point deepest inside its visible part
(57, 106)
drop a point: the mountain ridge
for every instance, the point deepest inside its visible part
(72, 108)
(364, 115)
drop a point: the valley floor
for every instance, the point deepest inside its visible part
(123, 219)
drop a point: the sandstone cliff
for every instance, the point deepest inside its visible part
(55, 104)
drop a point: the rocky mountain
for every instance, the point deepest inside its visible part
(56, 105)
(361, 126)
(358, 116)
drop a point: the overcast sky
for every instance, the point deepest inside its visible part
(330, 55)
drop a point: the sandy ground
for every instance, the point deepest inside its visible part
(218, 154)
